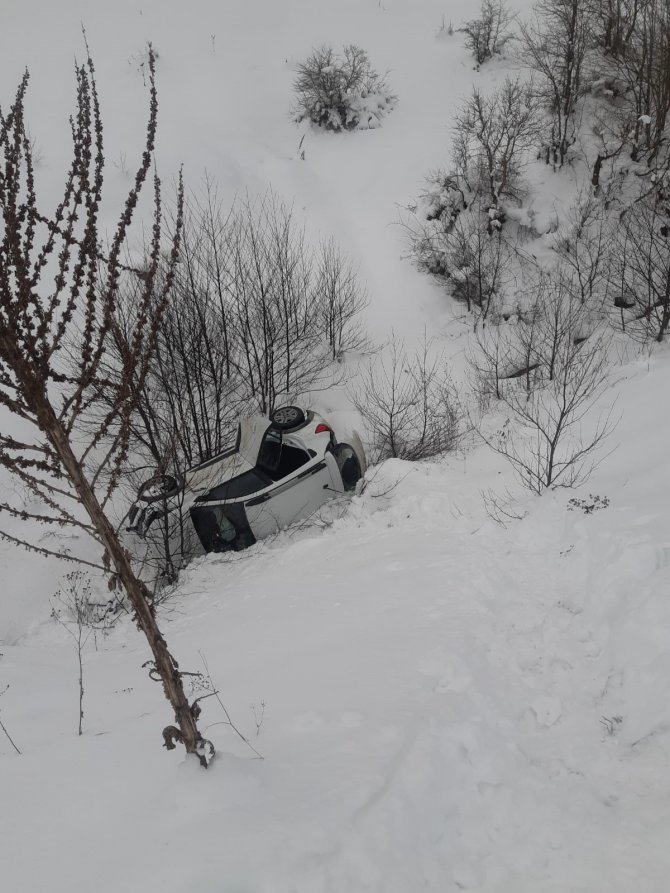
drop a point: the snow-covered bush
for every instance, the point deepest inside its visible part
(455, 237)
(479, 257)
(455, 230)
(341, 92)
(430, 221)
(409, 404)
(488, 34)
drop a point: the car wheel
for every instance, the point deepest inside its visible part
(349, 465)
(287, 417)
(160, 486)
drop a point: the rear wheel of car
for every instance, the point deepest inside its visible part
(349, 465)
(286, 417)
(160, 486)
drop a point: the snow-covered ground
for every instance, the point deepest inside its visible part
(449, 704)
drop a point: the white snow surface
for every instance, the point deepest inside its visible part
(449, 704)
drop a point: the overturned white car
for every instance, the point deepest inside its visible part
(281, 470)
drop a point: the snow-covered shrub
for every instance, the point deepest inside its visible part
(455, 230)
(479, 257)
(341, 92)
(430, 221)
(409, 404)
(454, 237)
(488, 34)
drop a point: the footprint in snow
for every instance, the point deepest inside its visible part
(307, 722)
(547, 711)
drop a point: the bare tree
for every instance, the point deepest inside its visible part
(555, 43)
(547, 444)
(640, 271)
(614, 23)
(492, 135)
(584, 244)
(640, 59)
(58, 300)
(409, 404)
(275, 308)
(488, 34)
(341, 301)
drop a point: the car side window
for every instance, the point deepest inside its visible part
(269, 455)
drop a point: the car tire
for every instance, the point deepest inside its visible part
(158, 487)
(286, 417)
(349, 465)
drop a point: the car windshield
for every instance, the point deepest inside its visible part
(222, 528)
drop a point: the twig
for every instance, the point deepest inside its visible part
(9, 737)
(228, 721)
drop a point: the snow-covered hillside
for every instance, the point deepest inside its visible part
(442, 702)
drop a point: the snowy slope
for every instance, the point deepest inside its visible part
(437, 691)
(449, 704)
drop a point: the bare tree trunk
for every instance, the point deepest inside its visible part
(140, 597)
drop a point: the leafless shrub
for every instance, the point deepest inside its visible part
(341, 92)
(487, 35)
(506, 355)
(82, 616)
(584, 244)
(409, 404)
(502, 508)
(279, 322)
(480, 263)
(563, 376)
(340, 300)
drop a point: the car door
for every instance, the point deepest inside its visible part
(295, 497)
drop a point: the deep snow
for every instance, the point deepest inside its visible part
(449, 704)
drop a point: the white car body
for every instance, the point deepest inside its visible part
(271, 479)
